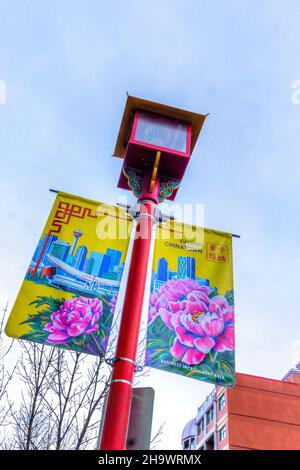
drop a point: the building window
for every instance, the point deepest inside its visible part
(189, 444)
(222, 433)
(210, 415)
(200, 426)
(210, 444)
(221, 402)
(186, 444)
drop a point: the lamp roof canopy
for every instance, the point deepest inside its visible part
(138, 104)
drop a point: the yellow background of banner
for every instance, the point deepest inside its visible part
(218, 271)
(30, 290)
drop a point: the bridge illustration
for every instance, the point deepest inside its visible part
(79, 280)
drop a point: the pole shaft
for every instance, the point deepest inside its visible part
(117, 413)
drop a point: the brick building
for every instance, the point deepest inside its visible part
(257, 413)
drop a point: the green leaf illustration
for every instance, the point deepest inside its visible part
(79, 340)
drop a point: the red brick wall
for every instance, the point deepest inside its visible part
(264, 414)
(200, 437)
(210, 426)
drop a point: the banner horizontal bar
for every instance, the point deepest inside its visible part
(57, 191)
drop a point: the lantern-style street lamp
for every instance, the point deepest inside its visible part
(155, 142)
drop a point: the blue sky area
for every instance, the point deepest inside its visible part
(67, 66)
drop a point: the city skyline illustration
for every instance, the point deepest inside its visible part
(72, 267)
(186, 269)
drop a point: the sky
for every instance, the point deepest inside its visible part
(67, 66)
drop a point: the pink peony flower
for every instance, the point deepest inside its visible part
(201, 323)
(155, 303)
(74, 317)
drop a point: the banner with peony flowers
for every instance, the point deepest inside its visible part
(69, 294)
(191, 308)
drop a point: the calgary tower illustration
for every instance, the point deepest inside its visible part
(77, 234)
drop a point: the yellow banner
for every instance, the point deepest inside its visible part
(69, 293)
(191, 310)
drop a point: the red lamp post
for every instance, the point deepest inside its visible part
(156, 142)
